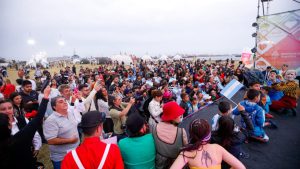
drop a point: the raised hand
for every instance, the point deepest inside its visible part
(78, 95)
(240, 107)
(47, 92)
(97, 85)
(132, 100)
(73, 98)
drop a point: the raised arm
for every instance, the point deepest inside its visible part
(88, 101)
(245, 117)
(125, 111)
(29, 130)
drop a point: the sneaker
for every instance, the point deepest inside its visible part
(260, 139)
(273, 124)
(269, 116)
(270, 124)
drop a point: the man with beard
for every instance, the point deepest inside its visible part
(29, 96)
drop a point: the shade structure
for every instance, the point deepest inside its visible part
(146, 57)
(177, 57)
(39, 58)
(163, 57)
(122, 58)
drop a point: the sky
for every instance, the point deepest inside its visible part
(107, 27)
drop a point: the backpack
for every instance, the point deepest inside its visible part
(253, 76)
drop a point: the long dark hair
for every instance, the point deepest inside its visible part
(225, 130)
(12, 96)
(199, 135)
(99, 95)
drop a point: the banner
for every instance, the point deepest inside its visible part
(279, 40)
(247, 59)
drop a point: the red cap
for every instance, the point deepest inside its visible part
(171, 111)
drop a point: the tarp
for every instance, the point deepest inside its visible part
(253, 76)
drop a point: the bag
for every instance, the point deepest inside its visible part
(253, 76)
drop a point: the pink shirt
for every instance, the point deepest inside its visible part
(167, 132)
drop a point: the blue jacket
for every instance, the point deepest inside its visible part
(274, 94)
(257, 116)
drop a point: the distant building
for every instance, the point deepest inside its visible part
(75, 57)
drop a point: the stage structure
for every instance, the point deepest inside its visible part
(277, 39)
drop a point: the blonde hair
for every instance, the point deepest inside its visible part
(7, 81)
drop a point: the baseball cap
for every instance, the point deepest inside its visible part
(134, 123)
(92, 119)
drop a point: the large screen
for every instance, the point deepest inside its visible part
(278, 40)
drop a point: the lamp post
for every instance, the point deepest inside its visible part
(254, 50)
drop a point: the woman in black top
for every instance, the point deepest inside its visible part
(239, 74)
(15, 151)
(228, 138)
(16, 100)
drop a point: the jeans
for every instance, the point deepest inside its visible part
(56, 164)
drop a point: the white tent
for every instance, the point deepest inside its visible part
(76, 61)
(122, 58)
(4, 64)
(146, 57)
(39, 58)
(163, 57)
(177, 57)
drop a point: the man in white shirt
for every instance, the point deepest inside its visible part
(88, 96)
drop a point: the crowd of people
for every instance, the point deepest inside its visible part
(127, 116)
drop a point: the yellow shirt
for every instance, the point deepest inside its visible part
(211, 167)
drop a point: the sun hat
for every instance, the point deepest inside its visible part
(171, 111)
